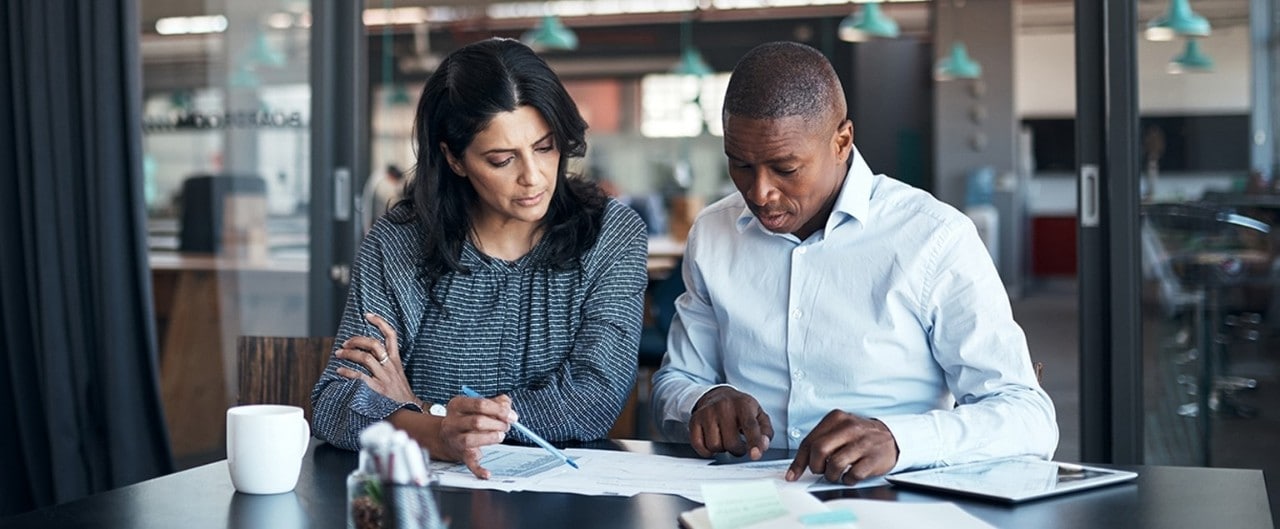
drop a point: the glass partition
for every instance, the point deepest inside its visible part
(226, 146)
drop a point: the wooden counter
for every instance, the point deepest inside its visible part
(202, 304)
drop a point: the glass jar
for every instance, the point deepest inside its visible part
(373, 503)
(364, 497)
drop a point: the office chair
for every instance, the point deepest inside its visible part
(206, 202)
(1200, 256)
(661, 310)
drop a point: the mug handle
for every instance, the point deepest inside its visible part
(306, 433)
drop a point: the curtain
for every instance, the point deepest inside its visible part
(79, 394)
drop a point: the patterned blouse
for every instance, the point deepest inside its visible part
(561, 343)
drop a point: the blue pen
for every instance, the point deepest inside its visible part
(527, 432)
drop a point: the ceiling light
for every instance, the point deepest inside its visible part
(1191, 60)
(550, 34)
(1179, 19)
(399, 16)
(957, 65)
(691, 62)
(191, 25)
(867, 23)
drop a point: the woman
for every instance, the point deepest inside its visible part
(497, 272)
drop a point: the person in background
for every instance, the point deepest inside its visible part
(381, 192)
(857, 318)
(498, 271)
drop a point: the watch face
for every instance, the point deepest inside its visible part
(438, 410)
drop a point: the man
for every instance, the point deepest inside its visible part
(846, 311)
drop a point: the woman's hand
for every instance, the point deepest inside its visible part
(470, 423)
(386, 372)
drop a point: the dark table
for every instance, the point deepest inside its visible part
(1162, 497)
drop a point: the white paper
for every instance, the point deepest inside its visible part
(617, 473)
(873, 514)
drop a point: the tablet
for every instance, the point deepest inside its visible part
(1012, 479)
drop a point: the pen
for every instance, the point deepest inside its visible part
(1070, 468)
(527, 432)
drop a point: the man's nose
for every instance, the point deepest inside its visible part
(760, 190)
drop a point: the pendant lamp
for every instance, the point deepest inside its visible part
(550, 34)
(1191, 60)
(1179, 19)
(867, 23)
(957, 65)
(691, 62)
(262, 53)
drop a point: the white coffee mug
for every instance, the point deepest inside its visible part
(265, 445)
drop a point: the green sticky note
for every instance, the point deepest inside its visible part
(742, 503)
(838, 516)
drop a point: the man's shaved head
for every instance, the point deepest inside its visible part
(785, 79)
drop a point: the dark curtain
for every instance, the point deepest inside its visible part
(79, 394)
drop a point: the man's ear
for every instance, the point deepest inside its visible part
(454, 163)
(843, 139)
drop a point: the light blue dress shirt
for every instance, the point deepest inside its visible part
(893, 311)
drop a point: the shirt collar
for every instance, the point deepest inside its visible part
(853, 202)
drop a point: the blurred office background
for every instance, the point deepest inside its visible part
(269, 128)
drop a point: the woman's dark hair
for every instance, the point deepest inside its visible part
(470, 87)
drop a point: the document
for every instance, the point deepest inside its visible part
(732, 506)
(800, 510)
(616, 473)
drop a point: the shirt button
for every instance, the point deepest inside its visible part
(801, 250)
(794, 433)
(795, 314)
(798, 374)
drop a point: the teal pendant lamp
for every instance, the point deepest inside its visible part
(397, 94)
(1191, 60)
(957, 65)
(691, 62)
(243, 76)
(263, 54)
(1178, 20)
(868, 23)
(550, 34)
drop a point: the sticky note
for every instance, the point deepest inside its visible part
(742, 503)
(819, 519)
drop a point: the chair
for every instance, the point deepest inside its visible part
(660, 310)
(223, 214)
(280, 370)
(1205, 258)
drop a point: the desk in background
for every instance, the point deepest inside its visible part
(664, 252)
(1161, 498)
(202, 304)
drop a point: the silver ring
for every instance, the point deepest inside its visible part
(384, 359)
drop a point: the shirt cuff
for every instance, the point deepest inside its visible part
(377, 406)
(673, 424)
(917, 437)
(691, 398)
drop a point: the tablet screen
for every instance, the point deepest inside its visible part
(1013, 479)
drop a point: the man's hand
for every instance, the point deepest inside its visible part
(728, 420)
(846, 449)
